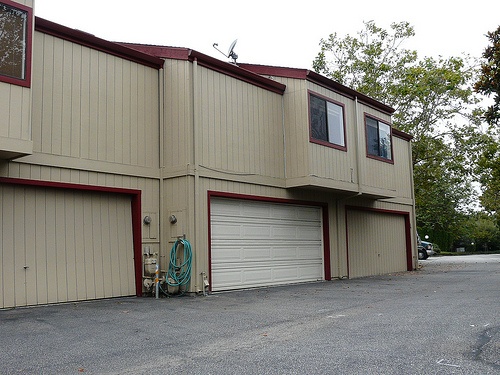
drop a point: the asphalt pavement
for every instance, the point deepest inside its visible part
(441, 319)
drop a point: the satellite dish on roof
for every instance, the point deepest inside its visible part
(230, 53)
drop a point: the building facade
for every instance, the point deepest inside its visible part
(111, 152)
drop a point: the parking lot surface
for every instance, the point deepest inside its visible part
(442, 319)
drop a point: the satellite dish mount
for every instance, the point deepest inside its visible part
(230, 53)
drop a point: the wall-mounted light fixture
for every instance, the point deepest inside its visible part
(172, 219)
(147, 220)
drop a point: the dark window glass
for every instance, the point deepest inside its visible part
(385, 141)
(318, 119)
(327, 121)
(13, 41)
(378, 139)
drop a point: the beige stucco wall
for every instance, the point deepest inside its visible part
(217, 123)
(178, 133)
(310, 164)
(15, 125)
(90, 105)
(95, 120)
(187, 199)
(15, 121)
(95, 117)
(226, 135)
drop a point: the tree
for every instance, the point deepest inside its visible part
(486, 234)
(489, 161)
(433, 100)
(481, 233)
(489, 80)
(488, 169)
(371, 63)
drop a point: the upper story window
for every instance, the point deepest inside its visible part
(15, 43)
(378, 139)
(327, 122)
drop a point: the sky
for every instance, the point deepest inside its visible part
(276, 32)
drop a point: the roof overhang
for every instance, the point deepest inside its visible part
(91, 41)
(233, 70)
(309, 75)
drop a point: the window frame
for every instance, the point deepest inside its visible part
(26, 80)
(370, 155)
(344, 129)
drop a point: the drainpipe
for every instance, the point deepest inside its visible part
(284, 134)
(359, 147)
(413, 223)
(161, 91)
(196, 162)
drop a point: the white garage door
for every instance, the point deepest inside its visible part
(256, 243)
(61, 245)
(376, 243)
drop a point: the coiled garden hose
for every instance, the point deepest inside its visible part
(180, 274)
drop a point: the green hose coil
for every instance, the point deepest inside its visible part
(180, 274)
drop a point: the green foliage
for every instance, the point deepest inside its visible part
(486, 234)
(480, 234)
(489, 80)
(488, 166)
(433, 100)
(371, 62)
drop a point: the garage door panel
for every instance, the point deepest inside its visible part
(255, 276)
(64, 245)
(228, 279)
(106, 242)
(309, 233)
(308, 251)
(49, 238)
(125, 257)
(40, 249)
(377, 243)
(61, 254)
(255, 231)
(236, 276)
(99, 254)
(276, 245)
(70, 229)
(262, 253)
(31, 240)
(226, 230)
(266, 252)
(226, 253)
(284, 252)
(8, 268)
(253, 210)
(90, 287)
(19, 256)
(247, 230)
(309, 215)
(80, 267)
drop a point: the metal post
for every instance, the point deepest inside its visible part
(157, 280)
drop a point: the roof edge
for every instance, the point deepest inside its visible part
(91, 41)
(320, 80)
(401, 134)
(234, 70)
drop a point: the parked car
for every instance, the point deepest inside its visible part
(425, 250)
